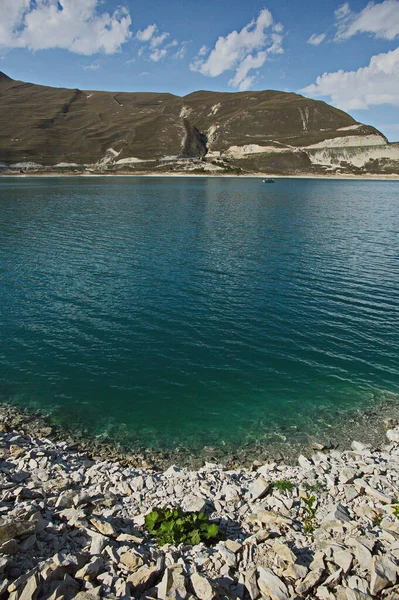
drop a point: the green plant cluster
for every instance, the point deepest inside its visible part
(173, 526)
(283, 485)
(309, 513)
(395, 508)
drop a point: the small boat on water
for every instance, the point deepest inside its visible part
(267, 180)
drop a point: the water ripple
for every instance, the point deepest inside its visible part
(169, 311)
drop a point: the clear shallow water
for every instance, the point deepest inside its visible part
(198, 311)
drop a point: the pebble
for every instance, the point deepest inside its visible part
(74, 527)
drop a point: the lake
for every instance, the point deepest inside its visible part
(198, 311)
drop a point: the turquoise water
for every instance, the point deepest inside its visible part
(198, 311)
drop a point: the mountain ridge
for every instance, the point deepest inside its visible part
(250, 131)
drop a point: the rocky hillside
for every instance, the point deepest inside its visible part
(268, 131)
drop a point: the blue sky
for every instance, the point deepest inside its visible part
(346, 53)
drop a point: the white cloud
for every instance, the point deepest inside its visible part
(74, 25)
(381, 20)
(377, 83)
(158, 53)
(203, 50)
(261, 36)
(158, 40)
(154, 46)
(181, 52)
(315, 39)
(144, 35)
(342, 12)
(93, 67)
(246, 83)
(241, 79)
(277, 45)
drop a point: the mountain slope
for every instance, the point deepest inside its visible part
(263, 116)
(253, 130)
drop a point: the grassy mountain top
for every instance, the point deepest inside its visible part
(52, 125)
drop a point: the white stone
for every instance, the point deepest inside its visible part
(347, 475)
(172, 585)
(228, 556)
(393, 435)
(359, 447)
(251, 583)
(284, 552)
(334, 579)
(304, 462)
(202, 587)
(378, 495)
(143, 578)
(231, 493)
(296, 571)
(271, 585)
(339, 513)
(172, 471)
(259, 488)
(30, 589)
(312, 579)
(383, 574)
(102, 525)
(343, 559)
(91, 569)
(193, 503)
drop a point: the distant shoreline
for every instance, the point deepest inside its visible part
(343, 176)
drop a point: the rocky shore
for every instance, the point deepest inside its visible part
(367, 422)
(72, 526)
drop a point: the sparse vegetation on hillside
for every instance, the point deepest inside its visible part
(103, 128)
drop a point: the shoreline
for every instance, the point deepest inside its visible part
(73, 526)
(343, 176)
(367, 422)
